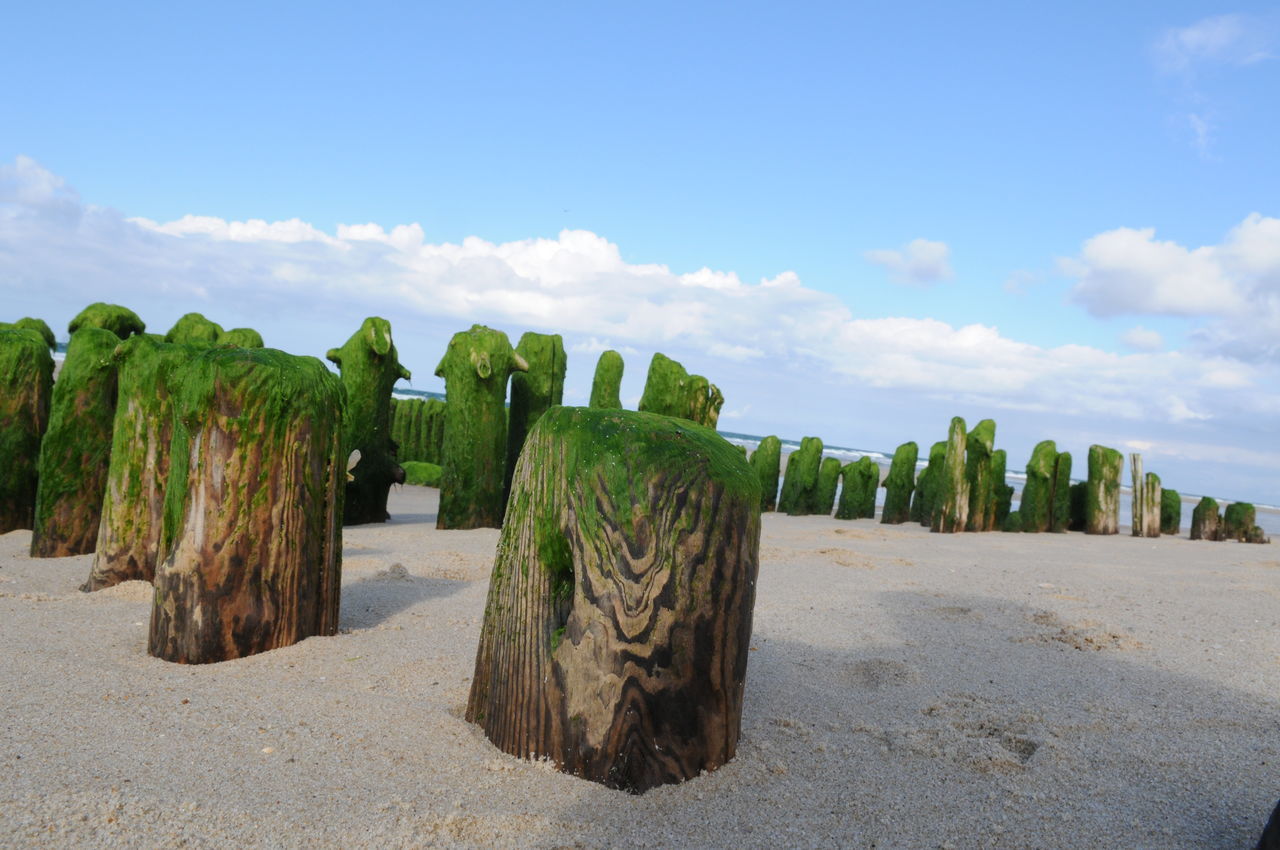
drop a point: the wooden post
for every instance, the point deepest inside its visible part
(1238, 520)
(1036, 505)
(253, 506)
(766, 460)
(1004, 493)
(828, 482)
(1102, 496)
(1206, 522)
(76, 449)
(671, 391)
(194, 329)
(800, 483)
(241, 338)
(1170, 512)
(924, 498)
(475, 369)
(1151, 496)
(1137, 495)
(370, 368)
(618, 619)
(951, 510)
(534, 391)
(979, 448)
(1060, 508)
(26, 386)
(859, 482)
(899, 484)
(30, 324)
(121, 321)
(606, 386)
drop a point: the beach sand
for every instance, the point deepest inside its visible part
(905, 689)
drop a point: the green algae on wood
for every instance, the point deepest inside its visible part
(29, 324)
(1206, 522)
(241, 338)
(1004, 493)
(422, 474)
(1238, 520)
(194, 329)
(253, 506)
(26, 389)
(800, 481)
(899, 484)
(618, 619)
(533, 391)
(766, 460)
(1060, 510)
(606, 386)
(1012, 522)
(121, 321)
(1036, 504)
(672, 391)
(981, 483)
(1102, 496)
(859, 482)
(370, 368)
(1170, 512)
(1152, 494)
(475, 369)
(925, 497)
(76, 449)
(828, 482)
(951, 510)
(1079, 496)
(130, 535)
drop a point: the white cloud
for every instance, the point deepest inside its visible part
(1142, 339)
(919, 262)
(1220, 39)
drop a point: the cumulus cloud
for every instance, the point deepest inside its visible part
(919, 262)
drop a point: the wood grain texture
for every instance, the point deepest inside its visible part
(619, 612)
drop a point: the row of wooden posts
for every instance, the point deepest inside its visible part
(963, 488)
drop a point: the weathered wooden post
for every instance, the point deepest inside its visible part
(253, 507)
(1137, 502)
(951, 510)
(121, 321)
(1004, 493)
(860, 480)
(26, 387)
(475, 369)
(433, 416)
(534, 391)
(1238, 519)
(925, 497)
(899, 484)
(1078, 496)
(606, 386)
(1060, 515)
(979, 478)
(370, 367)
(671, 391)
(76, 449)
(618, 619)
(1151, 497)
(1206, 522)
(1036, 504)
(30, 324)
(1102, 495)
(130, 542)
(1170, 512)
(766, 460)
(800, 482)
(194, 329)
(828, 482)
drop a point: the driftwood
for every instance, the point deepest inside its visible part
(26, 387)
(619, 612)
(253, 506)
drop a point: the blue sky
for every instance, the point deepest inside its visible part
(1077, 181)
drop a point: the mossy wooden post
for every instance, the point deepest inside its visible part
(241, 338)
(1004, 493)
(121, 321)
(370, 367)
(618, 620)
(1206, 522)
(766, 460)
(532, 392)
(1238, 520)
(433, 430)
(253, 507)
(1137, 501)
(475, 369)
(1036, 504)
(1078, 496)
(800, 482)
(671, 391)
(29, 324)
(1102, 496)
(26, 387)
(76, 449)
(414, 431)
(194, 329)
(899, 485)
(606, 386)
(926, 492)
(1060, 510)
(130, 541)
(1170, 512)
(979, 446)
(859, 482)
(828, 482)
(1152, 494)
(951, 510)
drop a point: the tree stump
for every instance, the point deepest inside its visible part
(1206, 522)
(130, 540)
(1060, 512)
(76, 450)
(370, 368)
(671, 391)
(1102, 495)
(194, 329)
(828, 483)
(253, 506)
(618, 619)
(800, 483)
(26, 388)
(979, 449)
(924, 498)
(606, 386)
(766, 460)
(1036, 504)
(951, 510)
(532, 392)
(899, 484)
(1170, 512)
(475, 369)
(859, 482)
(121, 321)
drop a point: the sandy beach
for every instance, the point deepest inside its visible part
(905, 689)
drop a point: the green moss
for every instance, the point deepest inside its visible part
(422, 473)
(241, 338)
(1013, 522)
(979, 447)
(1238, 520)
(606, 386)
(828, 481)
(800, 483)
(1060, 518)
(951, 509)
(1102, 496)
(1206, 523)
(121, 321)
(899, 485)
(1004, 493)
(1036, 505)
(672, 391)
(370, 368)
(533, 391)
(192, 329)
(1170, 512)
(1079, 496)
(30, 324)
(766, 460)
(859, 482)
(26, 386)
(924, 500)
